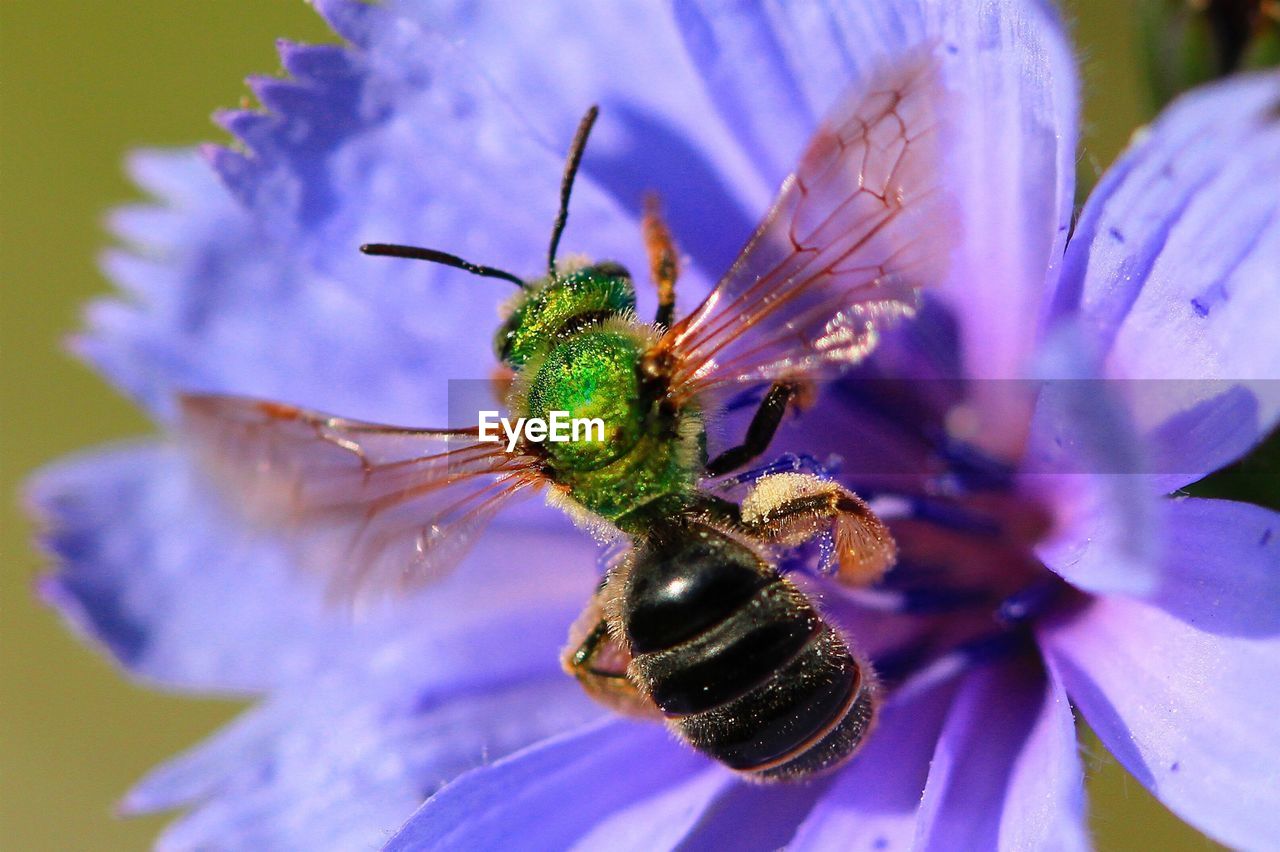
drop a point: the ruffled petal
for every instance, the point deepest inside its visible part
(1192, 715)
(617, 785)
(151, 565)
(1175, 257)
(874, 800)
(248, 279)
(773, 70)
(1006, 773)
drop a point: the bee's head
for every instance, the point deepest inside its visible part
(557, 305)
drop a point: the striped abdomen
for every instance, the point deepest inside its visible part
(738, 660)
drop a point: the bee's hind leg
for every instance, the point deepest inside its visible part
(598, 660)
(664, 263)
(792, 508)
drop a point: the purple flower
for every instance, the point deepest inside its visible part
(1044, 564)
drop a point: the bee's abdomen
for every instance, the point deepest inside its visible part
(754, 678)
(745, 650)
(680, 593)
(809, 716)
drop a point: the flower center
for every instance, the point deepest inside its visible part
(967, 586)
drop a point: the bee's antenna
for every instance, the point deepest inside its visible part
(414, 253)
(566, 183)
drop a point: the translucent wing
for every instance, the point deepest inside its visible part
(863, 223)
(373, 508)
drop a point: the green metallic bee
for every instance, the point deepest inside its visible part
(694, 624)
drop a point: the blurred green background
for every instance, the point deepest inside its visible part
(81, 83)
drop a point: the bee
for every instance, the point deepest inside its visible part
(695, 624)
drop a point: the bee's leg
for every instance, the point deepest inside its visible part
(599, 662)
(785, 463)
(792, 508)
(764, 425)
(664, 263)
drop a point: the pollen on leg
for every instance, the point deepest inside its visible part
(864, 547)
(783, 504)
(791, 508)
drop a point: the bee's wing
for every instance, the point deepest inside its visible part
(374, 509)
(863, 223)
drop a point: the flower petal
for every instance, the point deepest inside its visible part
(217, 608)
(256, 286)
(1176, 255)
(627, 778)
(1086, 463)
(774, 70)
(1221, 426)
(759, 818)
(874, 800)
(1006, 774)
(1221, 569)
(658, 131)
(740, 53)
(1190, 714)
(336, 764)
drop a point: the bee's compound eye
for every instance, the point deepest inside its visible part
(550, 307)
(609, 269)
